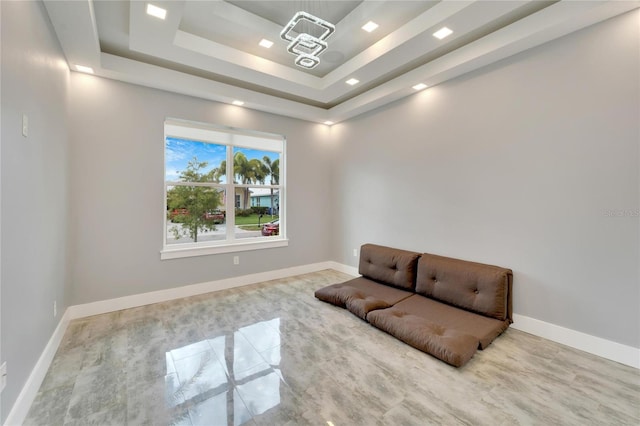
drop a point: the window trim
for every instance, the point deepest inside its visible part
(224, 135)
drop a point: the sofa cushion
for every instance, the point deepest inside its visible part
(389, 266)
(447, 344)
(483, 328)
(361, 295)
(477, 287)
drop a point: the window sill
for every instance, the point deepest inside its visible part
(177, 253)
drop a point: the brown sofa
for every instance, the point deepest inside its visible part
(446, 307)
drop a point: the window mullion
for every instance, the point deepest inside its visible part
(231, 195)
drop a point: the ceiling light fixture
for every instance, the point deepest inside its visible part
(306, 47)
(156, 11)
(82, 68)
(369, 26)
(352, 81)
(238, 103)
(420, 86)
(329, 123)
(266, 43)
(442, 33)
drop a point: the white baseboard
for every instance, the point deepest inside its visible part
(28, 393)
(601, 347)
(614, 351)
(350, 270)
(111, 305)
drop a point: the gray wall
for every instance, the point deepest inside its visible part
(34, 189)
(516, 164)
(117, 188)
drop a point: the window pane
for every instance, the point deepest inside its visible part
(195, 214)
(253, 166)
(193, 161)
(213, 170)
(258, 215)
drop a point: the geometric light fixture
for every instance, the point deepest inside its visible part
(306, 47)
(420, 86)
(352, 81)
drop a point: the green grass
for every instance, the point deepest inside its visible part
(253, 220)
(250, 227)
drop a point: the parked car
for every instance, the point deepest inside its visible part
(214, 215)
(271, 228)
(175, 214)
(178, 215)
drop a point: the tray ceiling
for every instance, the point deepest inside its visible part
(210, 49)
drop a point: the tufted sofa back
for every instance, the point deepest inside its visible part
(389, 265)
(477, 287)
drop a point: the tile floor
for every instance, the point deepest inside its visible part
(271, 354)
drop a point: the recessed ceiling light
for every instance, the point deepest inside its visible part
(442, 33)
(82, 68)
(420, 86)
(265, 43)
(369, 26)
(156, 11)
(238, 103)
(329, 123)
(352, 81)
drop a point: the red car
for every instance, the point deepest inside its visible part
(214, 215)
(271, 228)
(178, 212)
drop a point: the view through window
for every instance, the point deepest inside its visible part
(224, 187)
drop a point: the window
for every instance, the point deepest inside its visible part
(224, 190)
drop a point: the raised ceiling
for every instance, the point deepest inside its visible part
(209, 49)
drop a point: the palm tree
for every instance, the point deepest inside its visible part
(247, 172)
(217, 172)
(274, 172)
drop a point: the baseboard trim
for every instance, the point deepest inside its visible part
(30, 389)
(613, 351)
(350, 270)
(111, 305)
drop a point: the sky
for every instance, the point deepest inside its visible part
(178, 152)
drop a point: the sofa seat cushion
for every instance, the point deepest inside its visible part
(484, 329)
(447, 344)
(361, 296)
(389, 266)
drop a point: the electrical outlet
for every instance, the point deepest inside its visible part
(3, 376)
(236, 260)
(55, 309)
(355, 252)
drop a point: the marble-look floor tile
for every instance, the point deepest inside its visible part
(50, 406)
(272, 354)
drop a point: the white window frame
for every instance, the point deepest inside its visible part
(231, 138)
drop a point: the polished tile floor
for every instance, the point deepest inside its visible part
(271, 354)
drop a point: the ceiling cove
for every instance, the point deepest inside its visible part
(216, 49)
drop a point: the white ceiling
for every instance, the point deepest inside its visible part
(209, 49)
